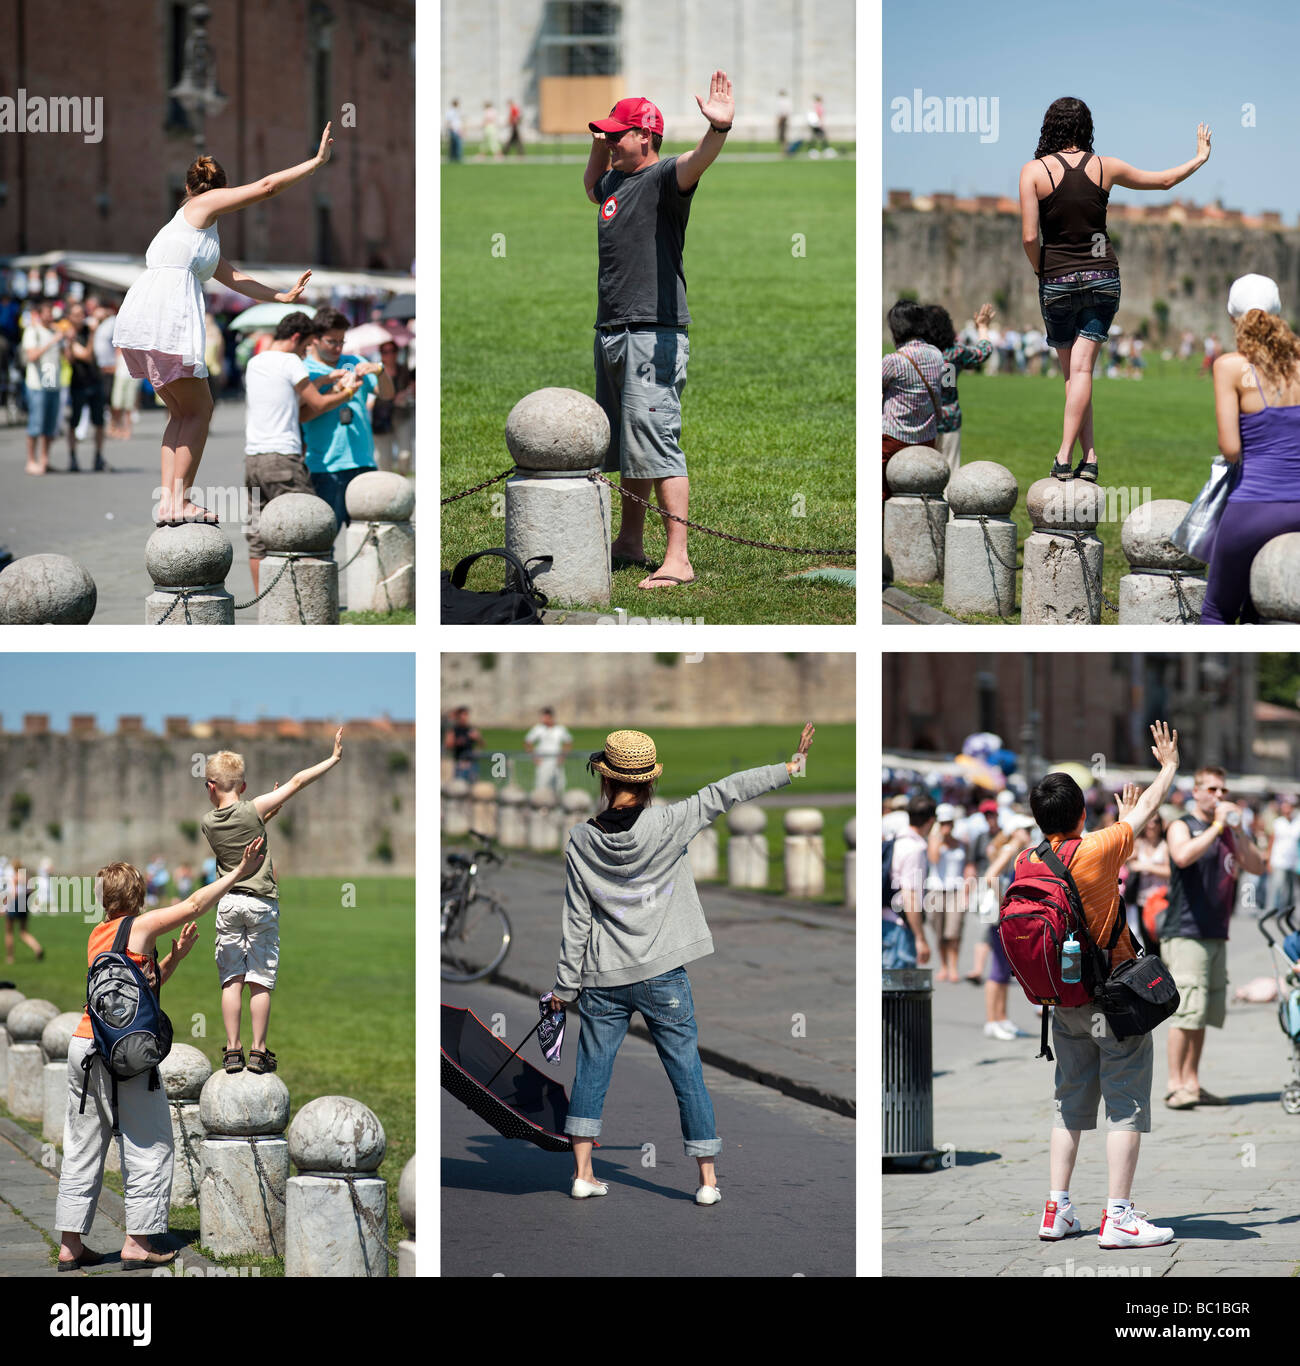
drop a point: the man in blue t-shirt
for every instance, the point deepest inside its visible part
(641, 348)
(340, 444)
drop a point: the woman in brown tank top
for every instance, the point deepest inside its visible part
(1064, 190)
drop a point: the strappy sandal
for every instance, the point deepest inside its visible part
(1062, 470)
(232, 1059)
(260, 1061)
(1087, 471)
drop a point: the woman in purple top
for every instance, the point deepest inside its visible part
(1257, 409)
(1065, 190)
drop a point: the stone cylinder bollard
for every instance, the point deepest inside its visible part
(26, 1024)
(185, 1072)
(805, 852)
(381, 577)
(188, 565)
(513, 816)
(336, 1215)
(851, 864)
(746, 846)
(245, 1161)
(39, 590)
(543, 827)
(702, 854)
(556, 436)
(1165, 585)
(1063, 558)
(979, 559)
(483, 807)
(1275, 579)
(406, 1205)
(55, 1038)
(578, 808)
(455, 807)
(9, 998)
(916, 515)
(299, 531)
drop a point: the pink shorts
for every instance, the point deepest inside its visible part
(158, 367)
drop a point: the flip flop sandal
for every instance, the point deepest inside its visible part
(1062, 471)
(669, 578)
(153, 1259)
(261, 1062)
(232, 1059)
(1087, 471)
(88, 1258)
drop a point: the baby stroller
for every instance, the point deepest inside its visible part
(1284, 944)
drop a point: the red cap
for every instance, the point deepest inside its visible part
(634, 112)
(986, 807)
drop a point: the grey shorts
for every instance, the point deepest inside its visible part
(248, 938)
(1092, 1065)
(640, 375)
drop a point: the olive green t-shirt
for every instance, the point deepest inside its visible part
(228, 830)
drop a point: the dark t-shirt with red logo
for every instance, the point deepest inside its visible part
(641, 230)
(1201, 896)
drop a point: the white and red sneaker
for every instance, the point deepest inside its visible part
(1058, 1222)
(1131, 1229)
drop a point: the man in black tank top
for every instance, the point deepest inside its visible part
(1207, 853)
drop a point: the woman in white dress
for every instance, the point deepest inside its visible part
(160, 326)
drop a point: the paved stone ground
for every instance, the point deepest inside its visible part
(1224, 1178)
(772, 959)
(103, 520)
(28, 1238)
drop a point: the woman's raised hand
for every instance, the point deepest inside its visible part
(326, 142)
(291, 296)
(1203, 142)
(805, 741)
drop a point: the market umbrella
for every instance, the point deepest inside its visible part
(265, 317)
(401, 307)
(366, 337)
(516, 1099)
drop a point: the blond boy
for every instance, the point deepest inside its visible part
(248, 915)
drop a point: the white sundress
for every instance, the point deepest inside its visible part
(163, 311)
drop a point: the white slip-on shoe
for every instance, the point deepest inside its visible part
(708, 1195)
(1058, 1222)
(1015, 1029)
(580, 1189)
(1131, 1229)
(995, 1029)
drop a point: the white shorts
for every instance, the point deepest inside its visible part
(248, 938)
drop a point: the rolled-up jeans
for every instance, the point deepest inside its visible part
(668, 1009)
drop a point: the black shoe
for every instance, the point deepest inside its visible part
(73, 467)
(1087, 471)
(1062, 471)
(102, 465)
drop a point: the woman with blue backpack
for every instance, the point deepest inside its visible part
(113, 1084)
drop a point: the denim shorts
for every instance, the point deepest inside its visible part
(43, 412)
(1074, 307)
(640, 375)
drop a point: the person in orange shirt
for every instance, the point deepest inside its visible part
(1090, 1068)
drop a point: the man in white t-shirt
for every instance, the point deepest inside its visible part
(1283, 877)
(904, 944)
(549, 743)
(275, 384)
(43, 355)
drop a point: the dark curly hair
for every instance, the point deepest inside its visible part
(939, 330)
(1067, 123)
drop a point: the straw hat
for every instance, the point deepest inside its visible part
(628, 757)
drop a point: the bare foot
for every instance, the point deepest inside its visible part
(669, 570)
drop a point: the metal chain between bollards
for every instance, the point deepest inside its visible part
(366, 1216)
(1077, 538)
(1186, 616)
(487, 483)
(252, 602)
(988, 541)
(371, 535)
(936, 543)
(191, 1157)
(708, 531)
(183, 595)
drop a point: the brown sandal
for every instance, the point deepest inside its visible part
(232, 1059)
(261, 1061)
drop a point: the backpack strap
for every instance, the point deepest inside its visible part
(1043, 1050)
(123, 935)
(86, 1064)
(514, 569)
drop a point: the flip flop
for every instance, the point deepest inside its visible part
(153, 1259)
(88, 1258)
(669, 578)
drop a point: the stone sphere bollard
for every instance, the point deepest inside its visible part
(1063, 557)
(578, 808)
(455, 807)
(25, 1025)
(1165, 585)
(916, 514)
(9, 998)
(979, 560)
(483, 807)
(185, 1072)
(299, 531)
(406, 1205)
(746, 846)
(39, 590)
(851, 864)
(1275, 579)
(381, 578)
(543, 825)
(513, 815)
(245, 1161)
(188, 565)
(336, 1214)
(55, 1038)
(805, 852)
(552, 509)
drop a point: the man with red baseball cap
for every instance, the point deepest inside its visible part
(641, 348)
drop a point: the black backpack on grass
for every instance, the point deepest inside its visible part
(519, 602)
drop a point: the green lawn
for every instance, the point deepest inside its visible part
(343, 1017)
(1155, 439)
(768, 410)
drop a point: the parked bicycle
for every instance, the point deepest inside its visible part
(475, 929)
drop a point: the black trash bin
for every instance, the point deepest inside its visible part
(907, 1072)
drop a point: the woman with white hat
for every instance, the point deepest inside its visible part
(632, 920)
(1257, 411)
(948, 860)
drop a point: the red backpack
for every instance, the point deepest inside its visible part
(1040, 911)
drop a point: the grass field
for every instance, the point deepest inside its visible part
(343, 1016)
(768, 409)
(1155, 439)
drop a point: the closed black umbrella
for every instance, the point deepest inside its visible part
(506, 1092)
(401, 307)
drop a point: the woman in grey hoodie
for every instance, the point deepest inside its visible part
(632, 920)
